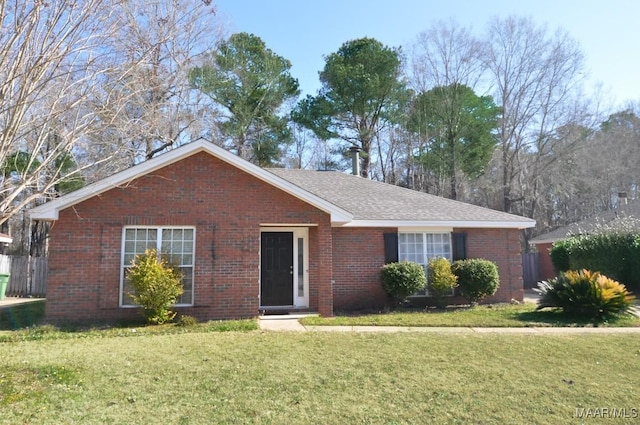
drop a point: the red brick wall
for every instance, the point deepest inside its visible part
(501, 246)
(358, 255)
(547, 271)
(225, 205)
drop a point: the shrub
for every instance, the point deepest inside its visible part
(477, 278)
(187, 321)
(441, 280)
(613, 253)
(402, 279)
(560, 253)
(157, 286)
(585, 293)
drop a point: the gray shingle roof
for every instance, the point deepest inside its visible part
(371, 200)
(626, 216)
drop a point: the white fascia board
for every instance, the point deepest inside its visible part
(438, 229)
(51, 209)
(459, 224)
(541, 241)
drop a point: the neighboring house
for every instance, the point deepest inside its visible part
(627, 216)
(249, 239)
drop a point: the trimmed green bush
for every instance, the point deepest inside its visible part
(614, 254)
(477, 278)
(402, 279)
(560, 253)
(157, 286)
(441, 280)
(585, 293)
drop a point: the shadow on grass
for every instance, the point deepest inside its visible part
(22, 316)
(558, 318)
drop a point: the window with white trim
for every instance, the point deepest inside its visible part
(421, 247)
(175, 244)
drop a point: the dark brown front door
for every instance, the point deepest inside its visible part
(276, 269)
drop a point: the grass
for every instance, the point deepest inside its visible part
(23, 322)
(502, 315)
(329, 378)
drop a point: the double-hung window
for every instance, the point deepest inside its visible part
(175, 244)
(421, 247)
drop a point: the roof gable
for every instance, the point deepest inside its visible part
(51, 209)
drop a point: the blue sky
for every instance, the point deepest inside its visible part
(304, 31)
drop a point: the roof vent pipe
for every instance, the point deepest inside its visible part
(355, 160)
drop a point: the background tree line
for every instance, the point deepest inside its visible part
(498, 118)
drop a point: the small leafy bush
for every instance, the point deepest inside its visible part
(477, 278)
(157, 286)
(585, 293)
(402, 279)
(560, 254)
(441, 280)
(187, 321)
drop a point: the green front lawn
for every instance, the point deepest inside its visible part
(501, 315)
(23, 322)
(310, 378)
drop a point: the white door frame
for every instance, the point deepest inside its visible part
(300, 271)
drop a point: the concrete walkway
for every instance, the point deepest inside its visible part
(288, 322)
(13, 301)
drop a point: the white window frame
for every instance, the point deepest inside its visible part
(422, 258)
(159, 229)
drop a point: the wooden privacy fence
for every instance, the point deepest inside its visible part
(530, 269)
(28, 275)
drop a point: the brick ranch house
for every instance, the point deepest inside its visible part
(248, 239)
(626, 215)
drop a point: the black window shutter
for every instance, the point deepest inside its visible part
(390, 248)
(459, 246)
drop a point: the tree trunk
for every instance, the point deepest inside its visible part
(506, 183)
(365, 158)
(39, 235)
(452, 167)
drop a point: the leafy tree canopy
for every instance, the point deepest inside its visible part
(458, 126)
(361, 89)
(251, 83)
